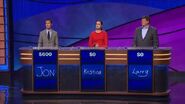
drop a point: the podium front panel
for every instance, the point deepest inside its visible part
(112, 71)
(45, 72)
(92, 70)
(140, 70)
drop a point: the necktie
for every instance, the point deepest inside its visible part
(48, 35)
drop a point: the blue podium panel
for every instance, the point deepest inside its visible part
(92, 70)
(45, 70)
(140, 70)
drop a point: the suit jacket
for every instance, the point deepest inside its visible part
(43, 39)
(150, 40)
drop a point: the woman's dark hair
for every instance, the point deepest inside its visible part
(100, 21)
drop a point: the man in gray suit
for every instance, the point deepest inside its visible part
(146, 35)
(48, 37)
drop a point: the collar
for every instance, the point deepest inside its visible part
(145, 27)
(48, 30)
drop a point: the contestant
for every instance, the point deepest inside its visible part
(48, 37)
(146, 35)
(98, 38)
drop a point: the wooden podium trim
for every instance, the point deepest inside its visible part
(115, 59)
(161, 59)
(112, 93)
(115, 54)
(166, 54)
(69, 59)
(63, 54)
(26, 58)
(26, 54)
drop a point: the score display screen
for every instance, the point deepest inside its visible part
(92, 70)
(140, 70)
(45, 70)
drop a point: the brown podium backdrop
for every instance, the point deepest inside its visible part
(2, 34)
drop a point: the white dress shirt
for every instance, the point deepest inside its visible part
(144, 31)
(50, 32)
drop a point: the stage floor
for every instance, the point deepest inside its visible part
(12, 90)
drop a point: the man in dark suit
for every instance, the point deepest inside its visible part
(48, 37)
(146, 35)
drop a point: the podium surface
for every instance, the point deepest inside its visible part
(112, 71)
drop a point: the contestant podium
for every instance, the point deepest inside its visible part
(97, 71)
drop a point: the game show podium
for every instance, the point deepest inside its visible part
(111, 71)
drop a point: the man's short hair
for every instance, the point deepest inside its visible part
(146, 17)
(48, 19)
